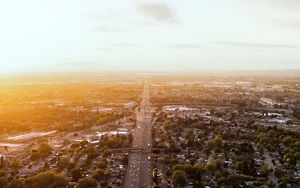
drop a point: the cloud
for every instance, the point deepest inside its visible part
(105, 49)
(77, 62)
(184, 46)
(287, 23)
(126, 44)
(251, 45)
(158, 12)
(104, 29)
(289, 5)
(72, 65)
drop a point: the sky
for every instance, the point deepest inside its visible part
(148, 35)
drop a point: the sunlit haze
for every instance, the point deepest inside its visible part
(148, 36)
(149, 93)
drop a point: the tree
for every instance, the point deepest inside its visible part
(99, 174)
(125, 160)
(2, 173)
(35, 155)
(217, 162)
(246, 147)
(214, 143)
(282, 185)
(172, 147)
(76, 174)
(45, 149)
(271, 133)
(279, 172)
(106, 153)
(75, 145)
(84, 143)
(114, 142)
(211, 166)
(3, 181)
(263, 140)
(16, 165)
(239, 165)
(46, 179)
(222, 181)
(296, 114)
(46, 165)
(91, 153)
(167, 125)
(1, 161)
(16, 183)
(63, 163)
(296, 156)
(111, 142)
(287, 140)
(179, 177)
(102, 163)
(189, 169)
(200, 170)
(237, 178)
(88, 183)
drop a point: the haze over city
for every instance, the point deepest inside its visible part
(148, 36)
(149, 94)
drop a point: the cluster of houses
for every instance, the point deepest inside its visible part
(190, 139)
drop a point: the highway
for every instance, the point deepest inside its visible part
(139, 168)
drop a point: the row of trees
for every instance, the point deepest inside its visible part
(47, 179)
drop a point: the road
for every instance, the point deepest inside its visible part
(268, 160)
(139, 168)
